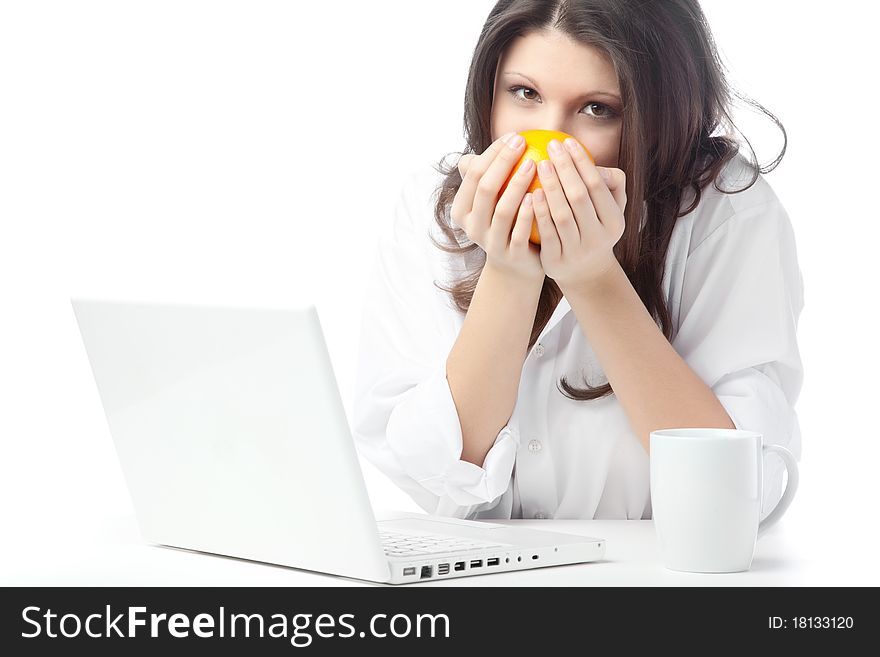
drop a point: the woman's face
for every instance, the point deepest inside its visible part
(546, 81)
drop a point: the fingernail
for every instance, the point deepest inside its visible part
(604, 173)
(516, 142)
(507, 137)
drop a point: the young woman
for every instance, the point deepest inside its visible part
(666, 279)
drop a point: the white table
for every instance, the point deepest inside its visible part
(109, 552)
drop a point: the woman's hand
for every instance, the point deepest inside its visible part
(500, 226)
(580, 215)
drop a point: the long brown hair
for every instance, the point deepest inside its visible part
(675, 97)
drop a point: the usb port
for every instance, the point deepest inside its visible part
(443, 569)
(477, 563)
(459, 565)
(426, 572)
(493, 562)
(409, 571)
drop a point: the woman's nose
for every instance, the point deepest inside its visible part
(555, 123)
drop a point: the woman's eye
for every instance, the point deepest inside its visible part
(604, 110)
(598, 111)
(516, 90)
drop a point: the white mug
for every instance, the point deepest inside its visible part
(706, 496)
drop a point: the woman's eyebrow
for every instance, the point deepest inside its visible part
(586, 95)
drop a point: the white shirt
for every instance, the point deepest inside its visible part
(734, 291)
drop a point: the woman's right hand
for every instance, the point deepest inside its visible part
(500, 226)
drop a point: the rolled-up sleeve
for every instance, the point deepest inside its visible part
(404, 417)
(741, 301)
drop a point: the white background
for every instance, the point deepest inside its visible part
(250, 151)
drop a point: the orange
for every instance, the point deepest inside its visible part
(536, 149)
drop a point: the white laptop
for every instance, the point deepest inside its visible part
(233, 439)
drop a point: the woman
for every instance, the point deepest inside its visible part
(666, 278)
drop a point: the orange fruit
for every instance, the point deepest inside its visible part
(536, 149)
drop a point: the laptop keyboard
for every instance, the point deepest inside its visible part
(397, 544)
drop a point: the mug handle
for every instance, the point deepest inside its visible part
(790, 487)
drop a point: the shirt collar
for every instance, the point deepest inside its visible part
(562, 309)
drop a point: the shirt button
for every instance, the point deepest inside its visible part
(535, 446)
(539, 350)
(540, 516)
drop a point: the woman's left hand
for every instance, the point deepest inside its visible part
(579, 215)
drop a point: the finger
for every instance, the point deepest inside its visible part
(477, 167)
(575, 191)
(609, 198)
(522, 228)
(464, 162)
(560, 210)
(486, 196)
(616, 183)
(550, 245)
(506, 208)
